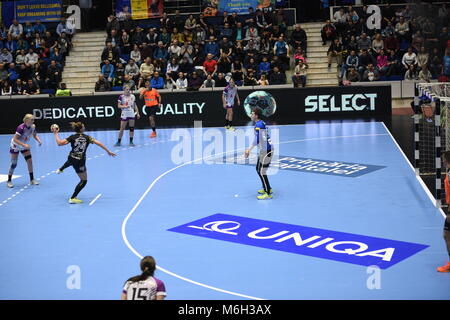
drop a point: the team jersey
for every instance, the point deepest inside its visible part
(144, 290)
(79, 143)
(230, 95)
(151, 97)
(24, 134)
(130, 102)
(262, 137)
(447, 188)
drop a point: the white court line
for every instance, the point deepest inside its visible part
(95, 199)
(425, 188)
(125, 221)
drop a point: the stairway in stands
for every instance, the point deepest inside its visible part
(318, 73)
(83, 64)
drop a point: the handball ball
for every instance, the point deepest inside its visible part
(261, 99)
(54, 127)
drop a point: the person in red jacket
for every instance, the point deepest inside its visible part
(446, 158)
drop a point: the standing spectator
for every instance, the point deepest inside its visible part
(328, 32)
(132, 70)
(299, 78)
(335, 50)
(102, 85)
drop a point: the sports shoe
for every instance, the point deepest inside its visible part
(59, 171)
(227, 127)
(9, 184)
(75, 201)
(132, 144)
(264, 196)
(261, 191)
(232, 128)
(153, 134)
(118, 144)
(445, 268)
(34, 182)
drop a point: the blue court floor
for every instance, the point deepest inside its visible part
(146, 200)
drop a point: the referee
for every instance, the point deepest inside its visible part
(265, 152)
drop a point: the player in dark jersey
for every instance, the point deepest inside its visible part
(265, 153)
(77, 156)
(446, 158)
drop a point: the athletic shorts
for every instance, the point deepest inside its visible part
(15, 148)
(229, 106)
(151, 111)
(78, 165)
(127, 118)
(127, 115)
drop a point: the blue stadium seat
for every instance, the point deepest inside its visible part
(396, 78)
(125, 57)
(118, 88)
(48, 91)
(384, 78)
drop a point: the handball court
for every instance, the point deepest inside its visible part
(348, 220)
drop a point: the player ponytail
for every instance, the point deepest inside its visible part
(77, 126)
(148, 266)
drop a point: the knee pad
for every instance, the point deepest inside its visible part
(28, 157)
(131, 129)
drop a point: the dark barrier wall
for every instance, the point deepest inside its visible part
(183, 108)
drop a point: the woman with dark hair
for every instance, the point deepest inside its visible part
(145, 286)
(77, 156)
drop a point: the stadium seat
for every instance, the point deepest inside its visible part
(118, 88)
(396, 78)
(125, 57)
(48, 91)
(384, 78)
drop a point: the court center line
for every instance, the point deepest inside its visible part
(125, 221)
(95, 199)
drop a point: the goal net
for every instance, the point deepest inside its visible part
(432, 133)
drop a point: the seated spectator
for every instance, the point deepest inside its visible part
(275, 62)
(178, 20)
(39, 28)
(411, 73)
(382, 62)
(199, 35)
(172, 68)
(377, 43)
(328, 32)
(64, 44)
(425, 74)
(31, 59)
(224, 65)
(187, 37)
(132, 70)
(409, 59)
(209, 82)
(146, 70)
(31, 88)
(394, 65)
(335, 50)
(24, 72)
(65, 26)
(299, 38)
(225, 47)
(443, 39)
(129, 82)
(102, 85)
(165, 37)
(446, 64)
(108, 71)
(125, 43)
(371, 74)
(226, 31)
(112, 23)
(364, 42)
(250, 80)
(402, 29)
(264, 66)
(135, 54)
(251, 66)
(111, 54)
(261, 22)
(239, 32)
(194, 82)
(63, 91)
(174, 50)
(161, 52)
(6, 56)
(352, 75)
(138, 36)
(119, 75)
(423, 58)
(212, 47)
(251, 47)
(185, 66)
(277, 77)
(388, 31)
(340, 20)
(210, 65)
(176, 35)
(263, 81)
(352, 61)
(187, 51)
(221, 81)
(57, 57)
(20, 57)
(299, 77)
(435, 65)
(237, 72)
(152, 38)
(281, 50)
(18, 87)
(181, 82)
(364, 60)
(3, 73)
(299, 55)
(418, 41)
(13, 75)
(15, 30)
(157, 82)
(6, 89)
(199, 55)
(165, 22)
(251, 34)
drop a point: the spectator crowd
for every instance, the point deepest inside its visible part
(32, 56)
(412, 43)
(187, 52)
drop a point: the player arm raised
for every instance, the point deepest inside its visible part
(101, 145)
(59, 142)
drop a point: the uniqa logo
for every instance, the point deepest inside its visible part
(355, 248)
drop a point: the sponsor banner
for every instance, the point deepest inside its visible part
(144, 9)
(181, 108)
(308, 165)
(314, 242)
(44, 10)
(239, 6)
